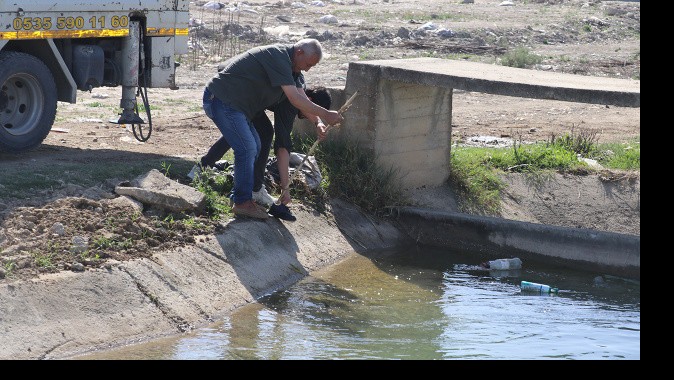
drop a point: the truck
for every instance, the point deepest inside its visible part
(50, 50)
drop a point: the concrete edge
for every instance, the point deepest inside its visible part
(579, 248)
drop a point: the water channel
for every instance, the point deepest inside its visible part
(422, 304)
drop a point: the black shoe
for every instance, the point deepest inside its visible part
(281, 212)
(222, 165)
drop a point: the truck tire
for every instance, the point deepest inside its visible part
(27, 101)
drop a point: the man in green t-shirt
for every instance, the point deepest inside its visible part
(248, 84)
(278, 132)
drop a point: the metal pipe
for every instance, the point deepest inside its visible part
(131, 55)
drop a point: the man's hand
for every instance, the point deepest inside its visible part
(321, 131)
(285, 197)
(333, 117)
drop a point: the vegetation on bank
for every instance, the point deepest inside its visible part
(348, 172)
(352, 174)
(476, 171)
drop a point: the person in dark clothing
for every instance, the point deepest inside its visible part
(248, 84)
(284, 117)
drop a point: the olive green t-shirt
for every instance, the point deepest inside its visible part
(251, 81)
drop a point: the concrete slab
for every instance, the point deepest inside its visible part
(508, 81)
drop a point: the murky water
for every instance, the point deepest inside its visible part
(422, 304)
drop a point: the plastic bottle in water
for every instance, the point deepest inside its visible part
(538, 288)
(505, 264)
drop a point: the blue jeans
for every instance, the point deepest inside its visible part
(284, 116)
(240, 134)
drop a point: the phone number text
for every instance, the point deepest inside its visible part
(79, 22)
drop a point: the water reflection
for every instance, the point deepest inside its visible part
(422, 304)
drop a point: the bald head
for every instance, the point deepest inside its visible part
(308, 52)
(311, 47)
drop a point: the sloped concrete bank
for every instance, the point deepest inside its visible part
(68, 314)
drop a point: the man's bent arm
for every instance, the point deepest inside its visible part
(307, 107)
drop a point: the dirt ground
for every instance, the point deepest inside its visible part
(599, 38)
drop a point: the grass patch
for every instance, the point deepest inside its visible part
(463, 57)
(521, 58)
(423, 16)
(178, 101)
(582, 142)
(195, 108)
(216, 186)
(365, 54)
(9, 267)
(142, 108)
(351, 173)
(475, 171)
(623, 156)
(44, 260)
(117, 242)
(475, 180)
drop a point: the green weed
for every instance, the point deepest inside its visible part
(115, 243)
(351, 173)
(44, 260)
(165, 167)
(103, 242)
(520, 58)
(476, 180)
(141, 107)
(9, 267)
(216, 186)
(583, 142)
(624, 156)
(193, 223)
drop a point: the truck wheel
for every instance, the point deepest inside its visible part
(27, 101)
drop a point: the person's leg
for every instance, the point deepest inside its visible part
(284, 117)
(245, 142)
(265, 130)
(221, 146)
(215, 153)
(283, 159)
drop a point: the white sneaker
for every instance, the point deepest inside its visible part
(262, 197)
(196, 170)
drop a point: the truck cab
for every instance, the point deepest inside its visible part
(49, 50)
